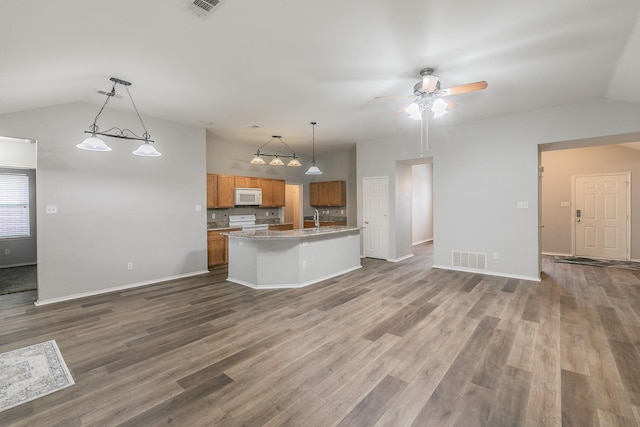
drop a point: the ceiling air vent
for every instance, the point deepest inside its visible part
(203, 8)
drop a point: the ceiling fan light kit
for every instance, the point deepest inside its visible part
(94, 143)
(429, 95)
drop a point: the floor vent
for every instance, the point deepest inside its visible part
(470, 260)
(203, 8)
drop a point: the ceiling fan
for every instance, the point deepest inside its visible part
(429, 96)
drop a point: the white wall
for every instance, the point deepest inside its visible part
(114, 208)
(422, 203)
(17, 153)
(482, 169)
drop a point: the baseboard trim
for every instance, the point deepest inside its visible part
(422, 241)
(116, 288)
(400, 259)
(24, 264)
(488, 273)
(555, 254)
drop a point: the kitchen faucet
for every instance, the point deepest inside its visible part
(316, 219)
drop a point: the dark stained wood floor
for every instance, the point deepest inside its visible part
(391, 344)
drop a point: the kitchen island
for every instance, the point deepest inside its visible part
(266, 259)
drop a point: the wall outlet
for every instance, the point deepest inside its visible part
(198, 208)
(7, 251)
(130, 266)
(213, 216)
(496, 255)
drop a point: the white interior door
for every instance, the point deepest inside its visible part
(601, 216)
(374, 216)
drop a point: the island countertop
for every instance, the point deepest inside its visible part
(300, 233)
(271, 259)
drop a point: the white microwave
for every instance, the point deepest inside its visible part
(247, 196)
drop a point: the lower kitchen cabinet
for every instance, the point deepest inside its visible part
(280, 226)
(218, 247)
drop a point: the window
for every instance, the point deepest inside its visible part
(14, 205)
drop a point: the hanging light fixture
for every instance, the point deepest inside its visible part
(277, 156)
(94, 143)
(437, 106)
(313, 169)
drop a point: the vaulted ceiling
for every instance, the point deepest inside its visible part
(280, 64)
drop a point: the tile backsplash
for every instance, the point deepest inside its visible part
(263, 215)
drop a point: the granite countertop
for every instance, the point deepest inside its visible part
(300, 233)
(238, 228)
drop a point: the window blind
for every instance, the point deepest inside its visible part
(14, 205)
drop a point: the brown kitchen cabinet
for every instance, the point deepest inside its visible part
(272, 192)
(246, 182)
(212, 190)
(278, 192)
(280, 227)
(328, 193)
(220, 191)
(311, 223)
(218, 247)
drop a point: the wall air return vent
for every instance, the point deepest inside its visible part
(203, 8)
(469, 260)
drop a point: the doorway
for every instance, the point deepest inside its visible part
(593, 166)
(18, 230)
(602, 213)
(375, 217)
(292, 205)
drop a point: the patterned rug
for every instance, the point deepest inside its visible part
(630, 265)
(31, 372)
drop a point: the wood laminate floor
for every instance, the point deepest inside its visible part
(391, 344)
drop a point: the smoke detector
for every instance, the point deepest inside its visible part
(203, 8)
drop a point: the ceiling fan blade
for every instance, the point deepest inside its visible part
(429, 83)
(402, 110)
(393, 96)
(469, 87)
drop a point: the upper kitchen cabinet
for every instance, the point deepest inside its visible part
(212, 190)
(220, 191)
(246, 182)
(328, 193)
(272, 192)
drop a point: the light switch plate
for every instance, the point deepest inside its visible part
(523, 205)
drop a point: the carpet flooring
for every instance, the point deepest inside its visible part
(629, 265)
(18, 279)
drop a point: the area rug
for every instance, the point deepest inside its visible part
(630, 265)
(31, 372)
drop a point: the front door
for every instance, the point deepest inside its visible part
(374, 216)
(601, 216)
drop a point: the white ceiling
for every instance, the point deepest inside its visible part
(280, 64)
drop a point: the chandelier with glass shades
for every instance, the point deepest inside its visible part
(94, 143)
(277, 155)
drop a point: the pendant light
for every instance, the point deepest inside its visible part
(313, 169)
(94, 143)
(277, 156)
